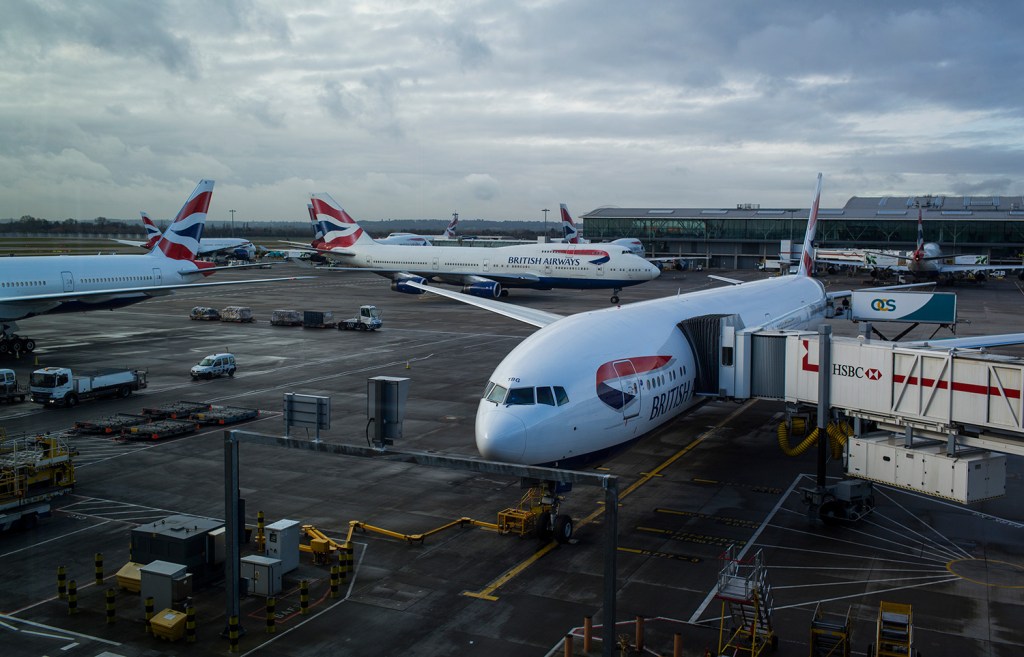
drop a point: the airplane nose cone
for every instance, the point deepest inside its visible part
(500, 436)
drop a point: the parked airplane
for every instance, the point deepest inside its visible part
(239, 248)
(39, 285)
(588, 385)
(412, 239)
(927, 261)
(481, 271)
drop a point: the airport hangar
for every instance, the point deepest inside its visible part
(741, 237)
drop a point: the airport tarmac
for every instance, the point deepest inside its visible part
(713, 478)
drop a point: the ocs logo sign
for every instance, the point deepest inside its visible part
(883, 305)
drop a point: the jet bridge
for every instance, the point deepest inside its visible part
(945, 417)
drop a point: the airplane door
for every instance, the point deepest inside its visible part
(630, 386)
(487, 265)
(600, 270)
(69, 281)
(158, 278)
(435, 265)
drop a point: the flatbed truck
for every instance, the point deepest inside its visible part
(59, 386)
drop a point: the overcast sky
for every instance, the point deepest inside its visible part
(497, 109)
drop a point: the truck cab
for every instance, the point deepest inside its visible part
(214, 365)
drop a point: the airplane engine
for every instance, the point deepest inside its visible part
(402, 284)
(979, 276)
(242, 253)
(485, 289)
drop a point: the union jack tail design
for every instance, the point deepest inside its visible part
(152, 232)
(449, 232)
(919, 252)
(181, 241)
(340, 230)
(569, 232)
(807, 253)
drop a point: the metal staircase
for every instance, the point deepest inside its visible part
(747, 603)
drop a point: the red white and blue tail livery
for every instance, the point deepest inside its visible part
(153, 233)
(181, 241)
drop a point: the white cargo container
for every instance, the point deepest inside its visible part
(968, 478)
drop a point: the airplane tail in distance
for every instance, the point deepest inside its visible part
(152, 232)
(318, 231)
(340, 229)
(570, 234)
(181, 241)
(449, 232)
(920, 232)
(807, 253)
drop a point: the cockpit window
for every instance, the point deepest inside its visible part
(561, 395)
(496, 394)
(544, 396)
(520, 397)
(487, 390)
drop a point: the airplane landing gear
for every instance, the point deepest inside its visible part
(615, 295)
(13, 344)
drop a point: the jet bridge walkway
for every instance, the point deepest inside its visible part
(945, 417)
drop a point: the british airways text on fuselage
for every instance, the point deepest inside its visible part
(536, 260)
(671, 399)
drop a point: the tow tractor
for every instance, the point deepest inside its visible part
(367, 320)
(537, 514)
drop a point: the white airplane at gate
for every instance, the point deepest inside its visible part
(587, 385)
(40, 285)
(481, 271)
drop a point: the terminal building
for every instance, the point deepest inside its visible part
(742, 237)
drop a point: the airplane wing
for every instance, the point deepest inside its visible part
(152, 290)
(976, 342)
(970, 268)
(128, 242)
(531, 316)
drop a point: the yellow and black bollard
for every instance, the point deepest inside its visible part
(190, 624)
(260, 536)
(335, 576)
(271, 615)
(72, 597)
(342, 565)
(110, 606)
(233, 634)
(304, 597)
(149, 615)
(350, 560)
(98, 563)
(62, 583)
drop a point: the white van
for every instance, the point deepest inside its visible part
(214, 365)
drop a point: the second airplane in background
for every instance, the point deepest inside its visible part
(481, 271)
(236, 247)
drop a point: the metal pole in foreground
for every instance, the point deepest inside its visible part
(231, 548)
(611, 528)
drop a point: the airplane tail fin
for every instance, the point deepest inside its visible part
(449, 232)
(920, 231)
(570, 234)
(181, 241)
(318, 231)
(340, 229)
(807, 252)
(152, 232)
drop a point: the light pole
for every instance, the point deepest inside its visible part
(545, 211)
(232, 222)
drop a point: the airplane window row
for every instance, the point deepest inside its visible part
(23, 283)
(115, 279)
(550, 396)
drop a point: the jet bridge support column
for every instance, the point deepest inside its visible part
(824, 379)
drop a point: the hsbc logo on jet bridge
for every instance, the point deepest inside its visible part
(853, 372)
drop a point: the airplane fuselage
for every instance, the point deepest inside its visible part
(58, 275)
(613, 375)
(538, 266)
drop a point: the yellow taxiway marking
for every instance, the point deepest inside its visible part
(487, 593)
